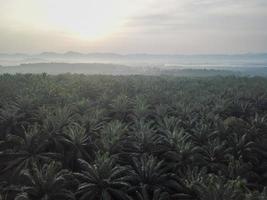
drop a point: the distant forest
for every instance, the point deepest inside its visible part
(118, 69)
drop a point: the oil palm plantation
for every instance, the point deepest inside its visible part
(132, 137)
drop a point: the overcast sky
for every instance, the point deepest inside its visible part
(134, 26)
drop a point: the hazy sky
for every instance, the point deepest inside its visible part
(133, 26)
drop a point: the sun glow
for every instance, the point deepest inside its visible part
(83, 19)
(87, 19)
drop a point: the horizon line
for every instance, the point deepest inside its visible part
(128, 54)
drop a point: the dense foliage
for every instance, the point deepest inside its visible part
(132, 137)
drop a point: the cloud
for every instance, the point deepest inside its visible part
(160, 26)
(190, 14)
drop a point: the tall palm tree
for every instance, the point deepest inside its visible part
(48, 183)
(10, 120)
(55, 120)
(111, 133)
(141, 107)
(93, 120)
(257, 195)
(217, 188)
(147, 175)
(240, 145)
(27, 150)
(102, 180)
(180, 151)
(141, 138)
(77, 144)
(54, 123)
(215, 155)
(120, 107)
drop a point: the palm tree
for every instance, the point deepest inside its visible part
(214, 155)
(54, 123)
(193, 176)
(102, 180)
(216, 188)
(10, 120)
(162, 110)
(141, 138)
(168, 124)
(201, 133)
(4, 190)
(257, 195)
(111, 133)
(93, 120)
(180, 151)
(147, 175)
(57, 119)
(258, 124)
(77, 144)
(240, 145)
(141, 107)
(48, 183)
(120, 107)
(27, 105)
(27, 150)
